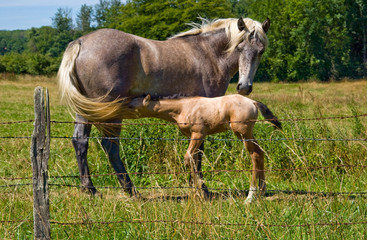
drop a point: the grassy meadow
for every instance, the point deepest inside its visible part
(297, 159)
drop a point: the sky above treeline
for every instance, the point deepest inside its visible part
(25, 14)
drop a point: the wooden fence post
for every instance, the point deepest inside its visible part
(40, 152)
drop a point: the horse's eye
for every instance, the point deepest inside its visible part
(262, 50)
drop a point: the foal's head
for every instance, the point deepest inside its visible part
(140, 103)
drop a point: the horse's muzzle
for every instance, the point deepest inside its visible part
(244, 90)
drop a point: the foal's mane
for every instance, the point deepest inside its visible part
(230, 25)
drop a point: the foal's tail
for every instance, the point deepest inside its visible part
(93, 109)
(268, 115)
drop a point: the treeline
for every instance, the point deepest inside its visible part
(309, 39)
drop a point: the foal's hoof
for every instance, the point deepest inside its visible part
(250, 200)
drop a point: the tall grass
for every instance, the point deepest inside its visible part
(185, 215)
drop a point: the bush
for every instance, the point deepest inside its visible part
(29, 63)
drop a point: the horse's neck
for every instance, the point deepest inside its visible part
(217, 43)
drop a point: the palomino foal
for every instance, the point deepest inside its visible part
(197, 117)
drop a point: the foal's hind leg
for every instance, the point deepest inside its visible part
(257, 158)
(112, 148)
(80, 143)
(258, 174)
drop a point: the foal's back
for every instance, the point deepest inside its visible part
(213, 115)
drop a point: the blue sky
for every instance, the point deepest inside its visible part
(25, 14)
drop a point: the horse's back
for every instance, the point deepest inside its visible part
(98, 63)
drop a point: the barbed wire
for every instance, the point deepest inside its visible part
(196, 172)
(216, 139)
(139, 221)
(16, 185)
(15, 137)
(206, 139)
(215, 171)
(225, 190)
(226, 122)
(208, 223)
(210, 171)
(168, 123)
(16, 122)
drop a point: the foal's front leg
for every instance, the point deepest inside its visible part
(193, 160)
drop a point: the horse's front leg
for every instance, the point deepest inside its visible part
(111, 145)
(258, 174)
(80, 143)
(193, 158)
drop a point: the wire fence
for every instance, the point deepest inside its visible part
(186, 123)
(228, 191)
(203, 172)
(188, 139)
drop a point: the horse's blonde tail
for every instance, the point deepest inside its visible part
(93, 109)
(268, 115)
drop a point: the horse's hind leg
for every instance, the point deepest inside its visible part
(112, 148)
(80, 143)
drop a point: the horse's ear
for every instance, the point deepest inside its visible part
(241, 24)
(146, 100)
(266, 25)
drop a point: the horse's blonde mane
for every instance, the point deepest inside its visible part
(230, 25)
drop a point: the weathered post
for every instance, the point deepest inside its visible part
(40, 152)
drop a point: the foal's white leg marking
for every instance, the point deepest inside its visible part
(251, 195)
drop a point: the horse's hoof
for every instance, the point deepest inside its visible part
(133, 193)
(136, 195)
(91, 190)
(97, 195)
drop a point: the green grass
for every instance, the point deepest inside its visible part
(277, 216)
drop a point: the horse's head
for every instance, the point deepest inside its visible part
(250, 50)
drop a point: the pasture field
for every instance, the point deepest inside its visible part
(317, 188)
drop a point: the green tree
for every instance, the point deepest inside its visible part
(61, 41)
(308, 39)
(63, 20)
(14, 63)
(13, 41)
(84, 18)
(159, 19)
(105, 12)
(241, 8)
(356, 20)
(41, 39)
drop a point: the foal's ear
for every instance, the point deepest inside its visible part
(266, 25)
(146, 100)
(241, 24)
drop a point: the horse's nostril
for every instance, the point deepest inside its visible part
(250, 89)
(238, 86)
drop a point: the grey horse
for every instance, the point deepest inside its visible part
(99, 71)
